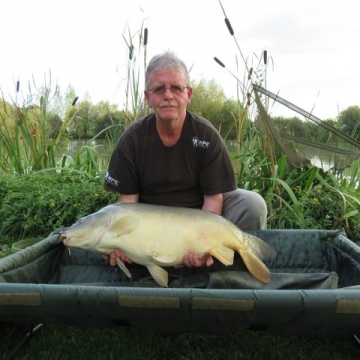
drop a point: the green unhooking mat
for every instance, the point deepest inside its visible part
(315, 289)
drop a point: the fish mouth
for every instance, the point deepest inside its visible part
(65, 238)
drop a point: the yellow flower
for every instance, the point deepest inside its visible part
(52, 204)
(96, 194)
(316, 200)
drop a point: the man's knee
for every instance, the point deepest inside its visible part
(246, 209)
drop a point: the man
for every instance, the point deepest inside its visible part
(173, 157)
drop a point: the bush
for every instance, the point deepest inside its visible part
(37, 204)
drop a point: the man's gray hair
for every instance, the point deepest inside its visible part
(167, 60)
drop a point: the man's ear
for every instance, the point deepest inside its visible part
(147, 98)
(189, 94)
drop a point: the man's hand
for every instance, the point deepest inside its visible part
(192, 260)
(117, 254)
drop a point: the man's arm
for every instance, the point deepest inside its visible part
(132, 198)
(213, 203)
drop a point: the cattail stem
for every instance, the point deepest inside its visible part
(131, 50)
(227, 22)
(145, 36)
(219, 62)
(75, 101)
(223, 65)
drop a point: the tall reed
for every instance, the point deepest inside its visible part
(303, 197)
(135, 104)
(26, 144)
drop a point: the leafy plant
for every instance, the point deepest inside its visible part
(38, 203)
(25, 142)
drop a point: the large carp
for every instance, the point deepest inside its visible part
(155, 235)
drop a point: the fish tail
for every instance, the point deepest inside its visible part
(260, 247)
(253, 255)
(256, 266)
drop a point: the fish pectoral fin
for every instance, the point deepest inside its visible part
(123, 267)
(224, 254)
(165, 260)
(159, 274)
(125, 225)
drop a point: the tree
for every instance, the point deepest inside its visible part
(210, 102)
(293, 125)
(54, 123)
(349, 121)
(84, 119)
(108, 115)
(89, 120)
(207, 99)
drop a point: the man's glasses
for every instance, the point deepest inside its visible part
(175, 89)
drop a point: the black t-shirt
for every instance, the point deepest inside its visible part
(179, 175)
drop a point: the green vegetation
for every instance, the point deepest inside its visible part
(36, 204)
(66, 343)
(43, 188)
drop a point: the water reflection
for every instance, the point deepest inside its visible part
(327, 159)
(71, 147)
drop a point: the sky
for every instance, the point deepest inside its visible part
(313, 46)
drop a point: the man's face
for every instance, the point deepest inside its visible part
(168, 95)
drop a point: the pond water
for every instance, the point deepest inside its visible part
(101, 146)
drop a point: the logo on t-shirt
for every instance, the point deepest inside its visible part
(200, 143)
(111, 180)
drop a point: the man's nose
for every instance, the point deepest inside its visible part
(168, 94)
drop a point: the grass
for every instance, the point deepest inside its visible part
(62, 342)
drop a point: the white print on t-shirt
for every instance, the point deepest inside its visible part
(111, 180)
(200, 143)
